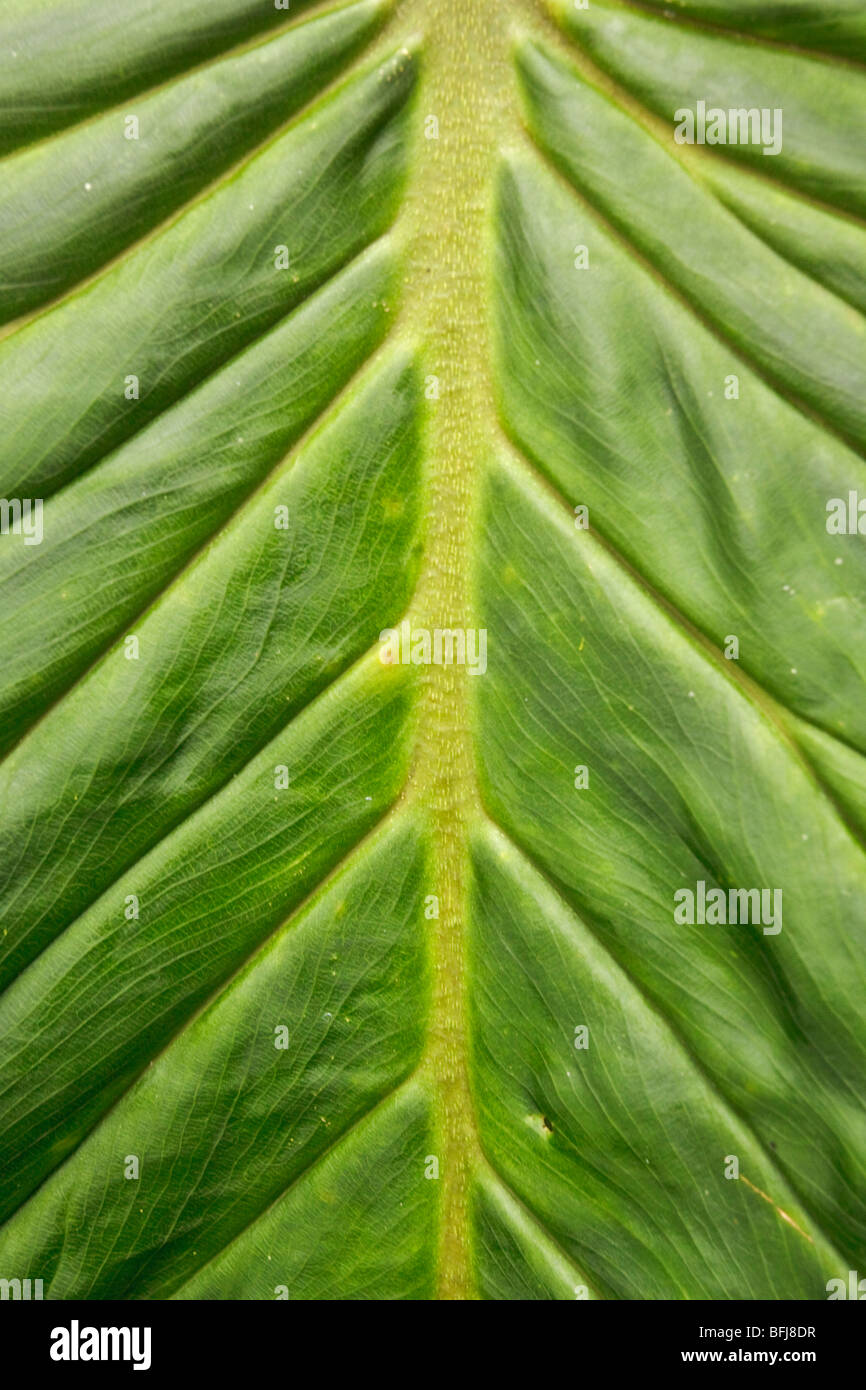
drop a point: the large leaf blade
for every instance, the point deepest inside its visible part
(255, 827)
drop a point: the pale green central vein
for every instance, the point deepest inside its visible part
(465, 103)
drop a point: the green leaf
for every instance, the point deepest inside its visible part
(332, 967)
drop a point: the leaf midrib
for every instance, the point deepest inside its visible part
(467, 82)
